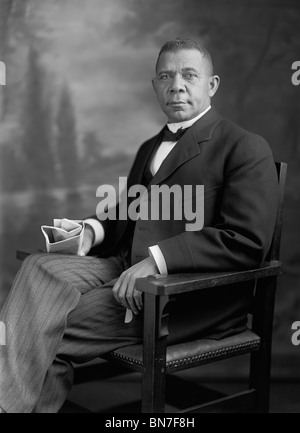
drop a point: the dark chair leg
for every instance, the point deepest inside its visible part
(154, 358)
(260, 364)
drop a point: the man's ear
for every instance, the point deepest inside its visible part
(214, 82)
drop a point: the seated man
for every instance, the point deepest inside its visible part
(64, 309)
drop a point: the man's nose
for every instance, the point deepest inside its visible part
(177, 84)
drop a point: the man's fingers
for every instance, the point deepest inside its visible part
(88, 239)
(138, 299)
(115, 290)
(84, 251)
(85, 247)
(122, 295)
(124, 290)
(119, 291)
(130, 295)
(125, 293)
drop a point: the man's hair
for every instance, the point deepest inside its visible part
(187, 44)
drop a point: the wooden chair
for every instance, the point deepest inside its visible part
(154, 358)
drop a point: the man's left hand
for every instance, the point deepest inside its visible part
(124, 290)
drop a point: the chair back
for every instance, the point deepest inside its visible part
(264, 293)
(274, 252)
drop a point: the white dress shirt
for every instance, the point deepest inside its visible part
(160, 155)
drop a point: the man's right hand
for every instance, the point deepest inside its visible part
(88, 240)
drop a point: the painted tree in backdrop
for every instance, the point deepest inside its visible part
(37, 151)
(66, 141)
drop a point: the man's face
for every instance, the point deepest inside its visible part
(183, 85)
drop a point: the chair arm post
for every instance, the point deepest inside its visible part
(154, 353)
(260, 368)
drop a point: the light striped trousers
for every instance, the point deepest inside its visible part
(60, 310)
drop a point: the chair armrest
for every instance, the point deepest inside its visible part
(182, 283)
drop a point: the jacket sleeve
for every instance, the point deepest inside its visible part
(242, 236)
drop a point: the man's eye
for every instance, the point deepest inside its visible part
(164, 77)
(190, 76)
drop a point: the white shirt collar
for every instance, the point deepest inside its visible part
(187, 123)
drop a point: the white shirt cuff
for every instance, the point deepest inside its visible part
(157, 255)
(98, 230)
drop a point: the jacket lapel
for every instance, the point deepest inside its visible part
(188, 146)
(140, 164)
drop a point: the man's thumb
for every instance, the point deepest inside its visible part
(83, 251)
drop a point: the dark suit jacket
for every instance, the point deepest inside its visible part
(238, 172)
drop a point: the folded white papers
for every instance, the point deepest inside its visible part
(65, 236)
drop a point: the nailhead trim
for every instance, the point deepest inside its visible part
(218, 354)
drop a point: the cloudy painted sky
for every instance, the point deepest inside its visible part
(105, 50)
(109, 72)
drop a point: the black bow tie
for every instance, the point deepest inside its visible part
(173, 136)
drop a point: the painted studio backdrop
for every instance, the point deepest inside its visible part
(78, 103)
